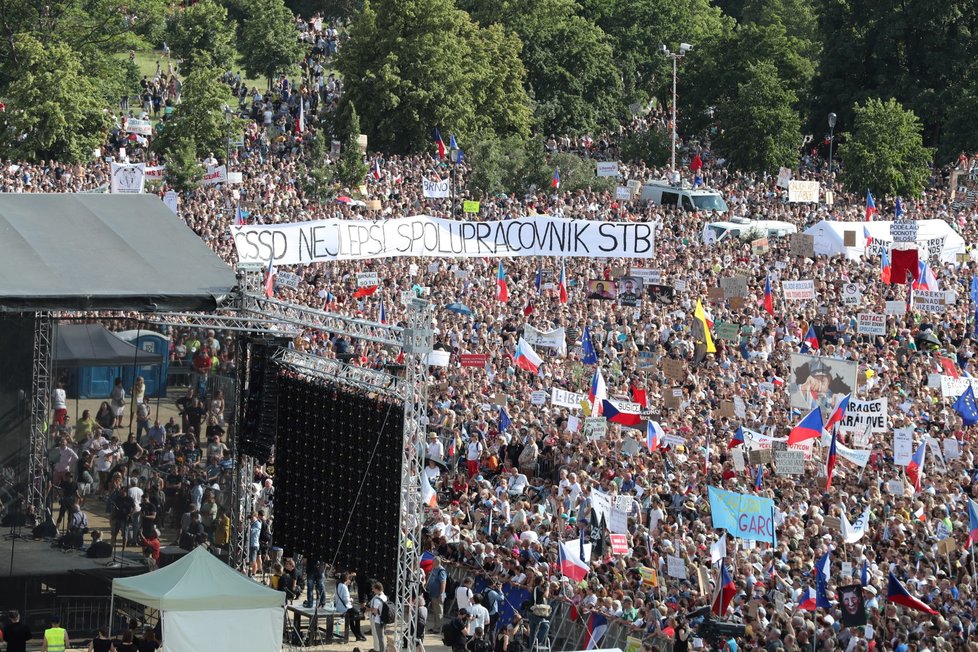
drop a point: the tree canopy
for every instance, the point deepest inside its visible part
(202, 36)
(269, 42)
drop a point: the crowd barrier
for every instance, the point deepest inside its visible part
(567, 632)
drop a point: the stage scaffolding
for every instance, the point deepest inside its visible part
(253, 313)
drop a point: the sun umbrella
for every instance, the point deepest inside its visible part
(459, 308)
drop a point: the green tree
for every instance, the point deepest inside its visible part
(54, 110)
(269, 40)
(350, 169)
(183, 172)
(761, 129)
(412, 65)
(201, 36)
(885, 151)
(650, 145)
(201, 117)
(569, 61)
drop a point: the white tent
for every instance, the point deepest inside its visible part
(206, 605)
(932, 236)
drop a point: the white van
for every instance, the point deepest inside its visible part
(685, 196)
(738, 226)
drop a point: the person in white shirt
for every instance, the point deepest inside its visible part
(463, 594)
(518, 483)
(59, 403)
(479, 615)
(376, 624)
(473, 453)
(136, 493)
(436, 450)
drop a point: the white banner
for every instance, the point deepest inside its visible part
(141, 127)
(798, 290)
(952, 387)
(563, 398)
(803, 192)
(437, 189)
(896, 308)
(857, 456)
(852, 533)
(171, 200)
(154, 173)
(870, 323)
(902, 446)
(554, 339)
(928, 300)
(324, 240)
(607, 169)
(216, 175)
(755, 441)
(852, 295)
(287, 279)
(862, 414)
(129, 178)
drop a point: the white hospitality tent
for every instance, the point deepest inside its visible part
(206, 605)
(830, 237)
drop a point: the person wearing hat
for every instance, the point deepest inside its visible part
(55, 637)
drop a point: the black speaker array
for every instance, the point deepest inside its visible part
(326, 434)
(260, 405)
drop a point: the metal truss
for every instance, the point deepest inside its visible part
(364, 378)
(40, 392)
(417, 343)
(320, 320)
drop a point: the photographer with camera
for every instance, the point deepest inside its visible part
(456, 632)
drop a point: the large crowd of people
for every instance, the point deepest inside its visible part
(516, 477)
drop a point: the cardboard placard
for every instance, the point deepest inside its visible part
(715, 293)
(759, 456)
(499, 399)
(674, 369)
(373, 204)
(737, 303)
(801, 245)
(832, 522)
(947, 546)
(727, 409)
(734, 286)
(673, 397)
(849, 238)
(538, 397)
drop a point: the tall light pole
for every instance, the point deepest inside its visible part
(683, 49)
(832, 118)
(453, 157)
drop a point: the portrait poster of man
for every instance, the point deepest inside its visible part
(630, 289)
(601, 290)
(852, 606)
(821, 381)
(662, 294)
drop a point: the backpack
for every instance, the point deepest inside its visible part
(386, 613)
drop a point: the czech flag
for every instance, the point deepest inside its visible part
(654, 435)
(759, 478)
(867, 237)
(898, 594)
(972, 522)
(809, 428)
(885, 268)
(915, 469)
(453, 145)
(441, 145)
(427, 561)
(725, 591)
(502, 290)
(571, 564)
(870, 206)
(428, 495)
(614, 415)
(526, 357)
(738, 438)
(555, 181)
(562, 283)
(807, 600)
(381, 313)
(810, 343)
(269, 283)
(376, 172)
(365, 291)
(840, 411)
(830, 462)
(239, 219)
(597, 625)
(598, 392)
(768, 296)
(925, 278)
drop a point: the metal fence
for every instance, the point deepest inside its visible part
(567, 632)
(83, 615)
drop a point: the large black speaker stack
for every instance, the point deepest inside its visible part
(259, 409)
(331, 437)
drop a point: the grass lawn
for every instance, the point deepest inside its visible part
(146, 62)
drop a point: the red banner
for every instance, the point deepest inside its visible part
(474, 359)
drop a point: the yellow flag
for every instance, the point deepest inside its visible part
(700, 315)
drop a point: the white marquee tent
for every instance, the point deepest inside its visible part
(206, 605)
(936, 235)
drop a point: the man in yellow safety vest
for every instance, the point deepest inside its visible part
(55, 637)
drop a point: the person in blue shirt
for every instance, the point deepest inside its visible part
(254, 533)
(435, 587)
(343, 604)
(494, 597)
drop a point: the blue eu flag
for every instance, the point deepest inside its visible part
(504, 420)
(590, 355)
(966, 407)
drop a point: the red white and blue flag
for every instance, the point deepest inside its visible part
(738, 438)
(502, 290)
(526, 357)
(724, 592)
(555, 181)
(972, 522)
(885, 269)
(810, 343)
(926, 280)
(597, 625)
(654, 435)
(807, 601)
(867, 237)
(915, 469)
(562, 283)
(615, 415)
(830, 461)
(897, 594)
(572, 566)
(427, 561)
(808, 428)
(597, 392)
(839, 413)
(269, 283)
(870, 206)
(239, 218)
(381, 313)
(441, 145)
(768, 296)
(376, 171)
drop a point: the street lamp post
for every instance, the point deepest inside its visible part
(453, 155)
(683, 49)
(227, 136)
(832, 119)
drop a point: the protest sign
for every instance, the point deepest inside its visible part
(863, 414)
(851, 294)
(904, 230)
(952, 449)
(622, 193)
(141, 127)
(469, 206)
(798, 290)
(760, 456)
(287, 279)
(660, 294)
(326, 240)
(727, 332)
(619, 544)
(801, 245)
(784, 177)
(436, 188)
(827, 379)
(216, 175)
(573, 423)
(789, 462)
(367, 279)
(673, 440)
(646, 359)
(742, 515)
(555, 339)
(760, 246)
(952, 387)
(154, 173)
(802, 192)
(857, 456)
(734, 286)
(928, 300)
(595, 427)
(674, 369)
(438, 358)
(607, 168)
(673, 397)
(171, 199)
(630, 290)
(128, 178)
(902, 446)
(647, 274)
(675, 567)
(474, 359)
(869, 323)
(539, 397)
(755, 441)
(650, 578)
(738, 459)
(895, 308)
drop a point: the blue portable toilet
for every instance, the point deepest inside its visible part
(153, 375)
(92, 382)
